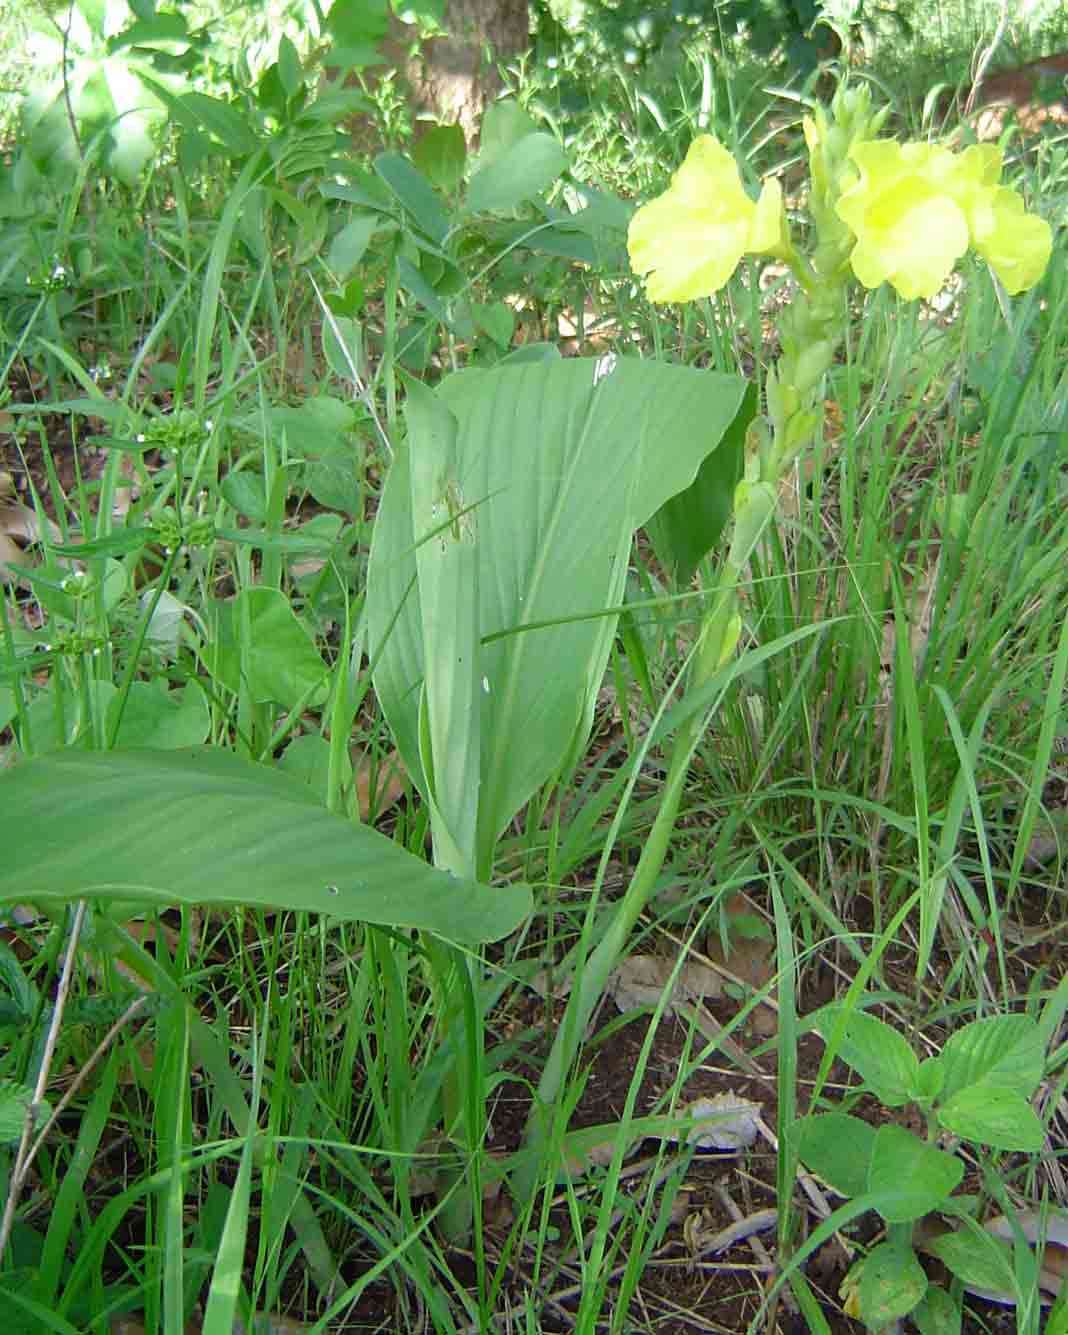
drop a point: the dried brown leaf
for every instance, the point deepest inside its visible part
(722, 1122)
(380, 781)
(640, 980)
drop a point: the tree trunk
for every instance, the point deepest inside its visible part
(454, 77)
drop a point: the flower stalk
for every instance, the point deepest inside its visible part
(881, 211)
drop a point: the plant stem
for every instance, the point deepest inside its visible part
(24, 1156)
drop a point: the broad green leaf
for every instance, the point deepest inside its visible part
(156, 717)
(244, 491)
(930, 1079)
(280, 662)
(441, 155)
(504, 124)
(289, 67)
(169, 32)
(137, 113)
(221, 120)
(415, 194)
(1005, 1050)
(356, 27)
(560, 462)
(528, 169)
(348, 247)
(531, 352)
(908, 1177)
(448, 573)
(937, 1313)
(879, 1054)
(688, 526)
(993, 1115)
(307, 758)
(977, 1259)
(309, 428)
(892, 1282)
(497, 319)
(205, 827)
(838, 1147)
(334, 479)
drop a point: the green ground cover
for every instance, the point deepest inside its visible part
(523, 807)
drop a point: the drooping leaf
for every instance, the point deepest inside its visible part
(688, 525)
(415, 193)
(348, 247)
(205, 827)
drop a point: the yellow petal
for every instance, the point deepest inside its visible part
(1016, 244)
(981, 163)
(915, 207)
(689, 241)
(766, 230)
(909, 232)
(685, 255)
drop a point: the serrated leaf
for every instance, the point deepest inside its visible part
(1005, 1050)
(15, 1101)
(879, 1054)
(993, 1115)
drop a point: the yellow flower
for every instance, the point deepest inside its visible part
(915, 209)
(689, 241)
(1016, 244)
